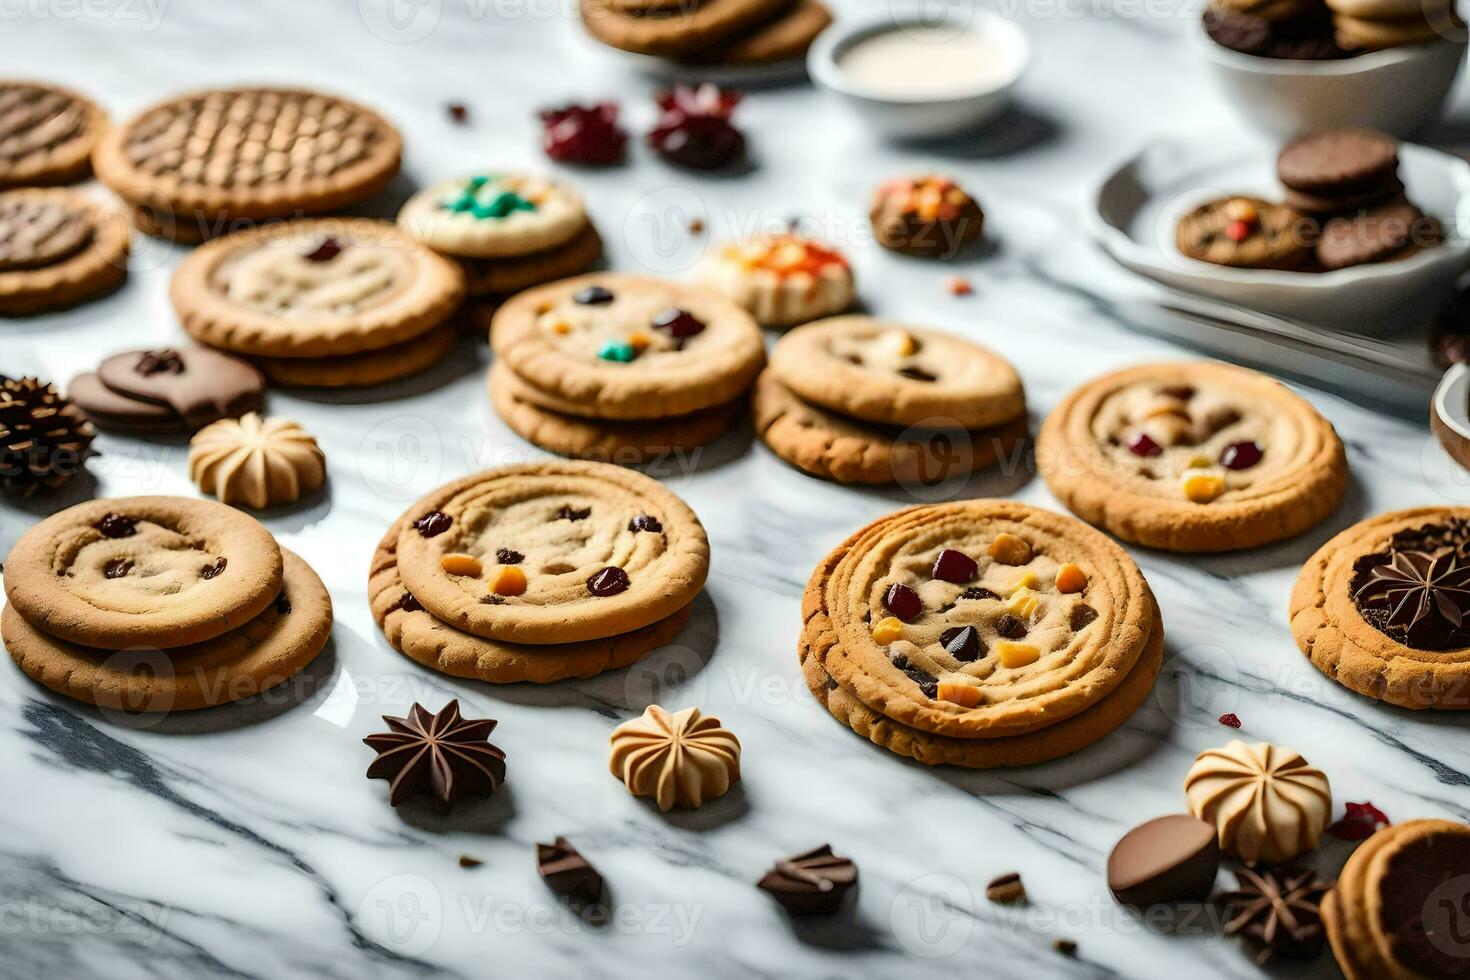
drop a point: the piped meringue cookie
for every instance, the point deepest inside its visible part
(683, 758)
(782, 280)
(1265, 801)
(260, 462)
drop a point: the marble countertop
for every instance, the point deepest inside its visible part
(245, 842)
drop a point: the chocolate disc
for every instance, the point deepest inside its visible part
(1168, 859)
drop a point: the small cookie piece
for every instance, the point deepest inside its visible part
(1382, 607)
(1246, 233)
(676, 33)
(927, 216)
(267, 650)
(893, 374)
(815, 882)
(627, 347)
(47, 134)
(1192, 456)
(209, 160)
(57, 249)
(370, 367)
(256, 461)
(602, 551)
(496, 215)
(683, 758)
(143, 571)
(109, 410)
(782, 280)
(627, 443)
(1376, 235)
(1390, 9)
(1332, 162)
(323, 287)
(197, 384)
(786, 36)
(1265, 801)
(1371, 34)
(835, 447)
(506, 277)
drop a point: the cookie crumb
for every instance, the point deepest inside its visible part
(696, 226)
(960, 286)
(465, 861)
(459, 112)
(1230, 720)
(1006, 888)
(1064, 946)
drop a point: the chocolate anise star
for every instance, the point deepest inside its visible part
(1279, 911)
(444, 755)
(1415, 585)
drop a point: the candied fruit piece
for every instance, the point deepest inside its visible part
(456, 564)
(1010, 550)
(588, 135)
(510, 580)
(1015, 655)
(962, 693)
(1071, 578)
(885, 631)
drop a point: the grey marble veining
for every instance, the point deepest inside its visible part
(245, 842)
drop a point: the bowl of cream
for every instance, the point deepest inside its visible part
(922, 78)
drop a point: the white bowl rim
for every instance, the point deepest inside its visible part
(1359, 64)
(1457, 378)
(822, 57)
(1118, 242)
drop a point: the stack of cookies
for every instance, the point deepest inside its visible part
(859, 400)
(167, 391)
(622, 369)
(709, 32)
(211, 162)
(507, 231)
(539, 572)
(160, 604)
(323, 302)
(981, 633)
(1370, 25)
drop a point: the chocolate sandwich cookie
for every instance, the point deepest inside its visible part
(196, 384)
(57, 249)
(1382, 233)
(1338, 162)
(47, 134)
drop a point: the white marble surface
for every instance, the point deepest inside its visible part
(245, 842)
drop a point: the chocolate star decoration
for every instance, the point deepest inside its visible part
(1419, 592)
(812, 882)
(1278, 911)
(443, 755)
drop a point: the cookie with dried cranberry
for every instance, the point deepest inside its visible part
(621, 347)
(1246, 233)
(981, 619)
(782, 279)
(1384, 608)
(893, 374)
(47, 134)
(143, 571)
(263, 652)
(57, 249)
(555, 552)
(927, 216)
(1192, 456)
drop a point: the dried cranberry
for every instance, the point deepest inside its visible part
(433, 524)
(408, 603)
(507, 557)
(211, 571)
(1361, 821)
(1144, 445)
(568, 513)
(1240, 455)
(644, 522)
(608, 582)
(117, 526)
(588, 135)
(961, 642)
(593, 296)
(1230, 720)
(903, 602)
(694, 129)
(678, 323)
(954, 566)
(326, 250)
(459, 112)
(117, 568)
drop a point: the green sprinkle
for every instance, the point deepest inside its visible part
(615, 351)
(477, 182)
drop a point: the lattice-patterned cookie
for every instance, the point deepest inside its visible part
(47, 134)
(58, 248)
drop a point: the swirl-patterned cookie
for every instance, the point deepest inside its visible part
(47, 134)
(627, 347)
(782, 280)
(897, 375)
(328, 286)
(143, 571)
(496, 215)
(554, 552)
(1192, 456)
(209, 159)
(58, 248)
(982, 619)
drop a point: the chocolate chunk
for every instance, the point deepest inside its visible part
(211, 571)
(1011, 628)
(283, 604)
(975, 592)
(962, 643)
(927, 682)
(569, 513)
(467, 862)
(644, 522)
(678, 323)
(152, 362)
(434, 524)
(608, 582)
(1168, 859)
(459, 112)
(903, 602)
(408, 603)
(593, 296)
(326, 250)
(954, 566)
(568, 874)
(917, 374)
(811, 883)
(117, 568)
(1082, 617)
(117, 526)
(1006, 888)
(1064, 946)
(507, 557)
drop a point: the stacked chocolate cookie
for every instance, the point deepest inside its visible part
(167, 391)
(982, 633)
(212, 162)
(1370, 25)
(622, 369)
(539, 572)
(709, 32)
(160, 604)
(506, 231)
(859, 400)
(324, 302)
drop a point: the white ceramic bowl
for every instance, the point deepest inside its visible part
(1137, 205)
(917, 118)
(1396, 91)
(1449, 414)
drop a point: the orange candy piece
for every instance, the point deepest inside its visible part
(1071, 578)
(456, 564)
(510, 580)
(960, 693)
